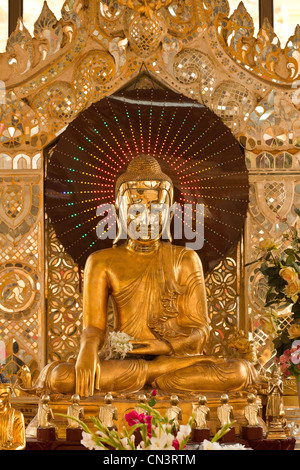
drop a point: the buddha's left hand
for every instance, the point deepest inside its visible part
(151, 346)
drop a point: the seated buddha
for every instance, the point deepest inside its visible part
(159, 297)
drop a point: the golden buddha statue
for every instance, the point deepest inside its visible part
(108, 413)
(174, 413)
(12, 426)
(75, 410)
(252, 410)
(142, 400)
(159, 297)
(201, 414)
(225, 411)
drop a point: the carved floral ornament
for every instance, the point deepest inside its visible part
(193, 46)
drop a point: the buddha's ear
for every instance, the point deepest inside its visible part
(167, 228)
(119, 227)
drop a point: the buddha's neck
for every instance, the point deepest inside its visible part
(134, 245)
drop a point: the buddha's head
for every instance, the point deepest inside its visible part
(251, 398)
(75, 398)
(174, 400)
(202, 400)
(108, 399)
(224, 399)
(45, 399)
(142, 398)
(5, 394)
(144, 195)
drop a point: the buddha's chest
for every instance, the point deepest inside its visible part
(134, 273)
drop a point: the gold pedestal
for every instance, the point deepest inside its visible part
(276, 431)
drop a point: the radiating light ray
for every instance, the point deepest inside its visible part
(99, 148)
(114, 137)
(98, 168)
(188, 149)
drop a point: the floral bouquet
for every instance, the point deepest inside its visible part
(289, 361)
(117, 345)
(280, 265)
(155, 432)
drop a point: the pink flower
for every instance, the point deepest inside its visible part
(148, 420)
(283, 359)
(134, 417)
(295, 358)
(284, 367)
(175, 444)
(154, 392)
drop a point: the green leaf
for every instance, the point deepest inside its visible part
(82, 424)
(289, 251)
(222, 432)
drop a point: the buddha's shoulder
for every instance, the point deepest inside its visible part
(181, 250)
(103, 256)
(183, 253)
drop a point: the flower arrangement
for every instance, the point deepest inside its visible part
(117, 345)
(289, 361)
(155, 432)
(280, 265)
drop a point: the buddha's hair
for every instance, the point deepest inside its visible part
(142, 168)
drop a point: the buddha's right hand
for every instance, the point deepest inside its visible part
(87, 373)
(87, 366)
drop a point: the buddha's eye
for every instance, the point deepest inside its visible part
(135, 210)
(156, 206)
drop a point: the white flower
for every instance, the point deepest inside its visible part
(118, 345)
(161, 440)
(234, 447)
(88, 441)
(125, 444)
(208, 445)
(166, 427)
(183, 432)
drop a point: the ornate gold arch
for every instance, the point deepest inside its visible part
(95, 48)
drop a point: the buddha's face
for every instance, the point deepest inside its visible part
(144, 210)
(4, 398)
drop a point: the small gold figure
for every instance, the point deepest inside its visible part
(45, 413)
(275, 409)
(201, 414)
(143, 400)
(174, 413)
(75, 411)
(108, 413)
(225, 411)
(275, 392)
(251, 411)
(12, 426)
